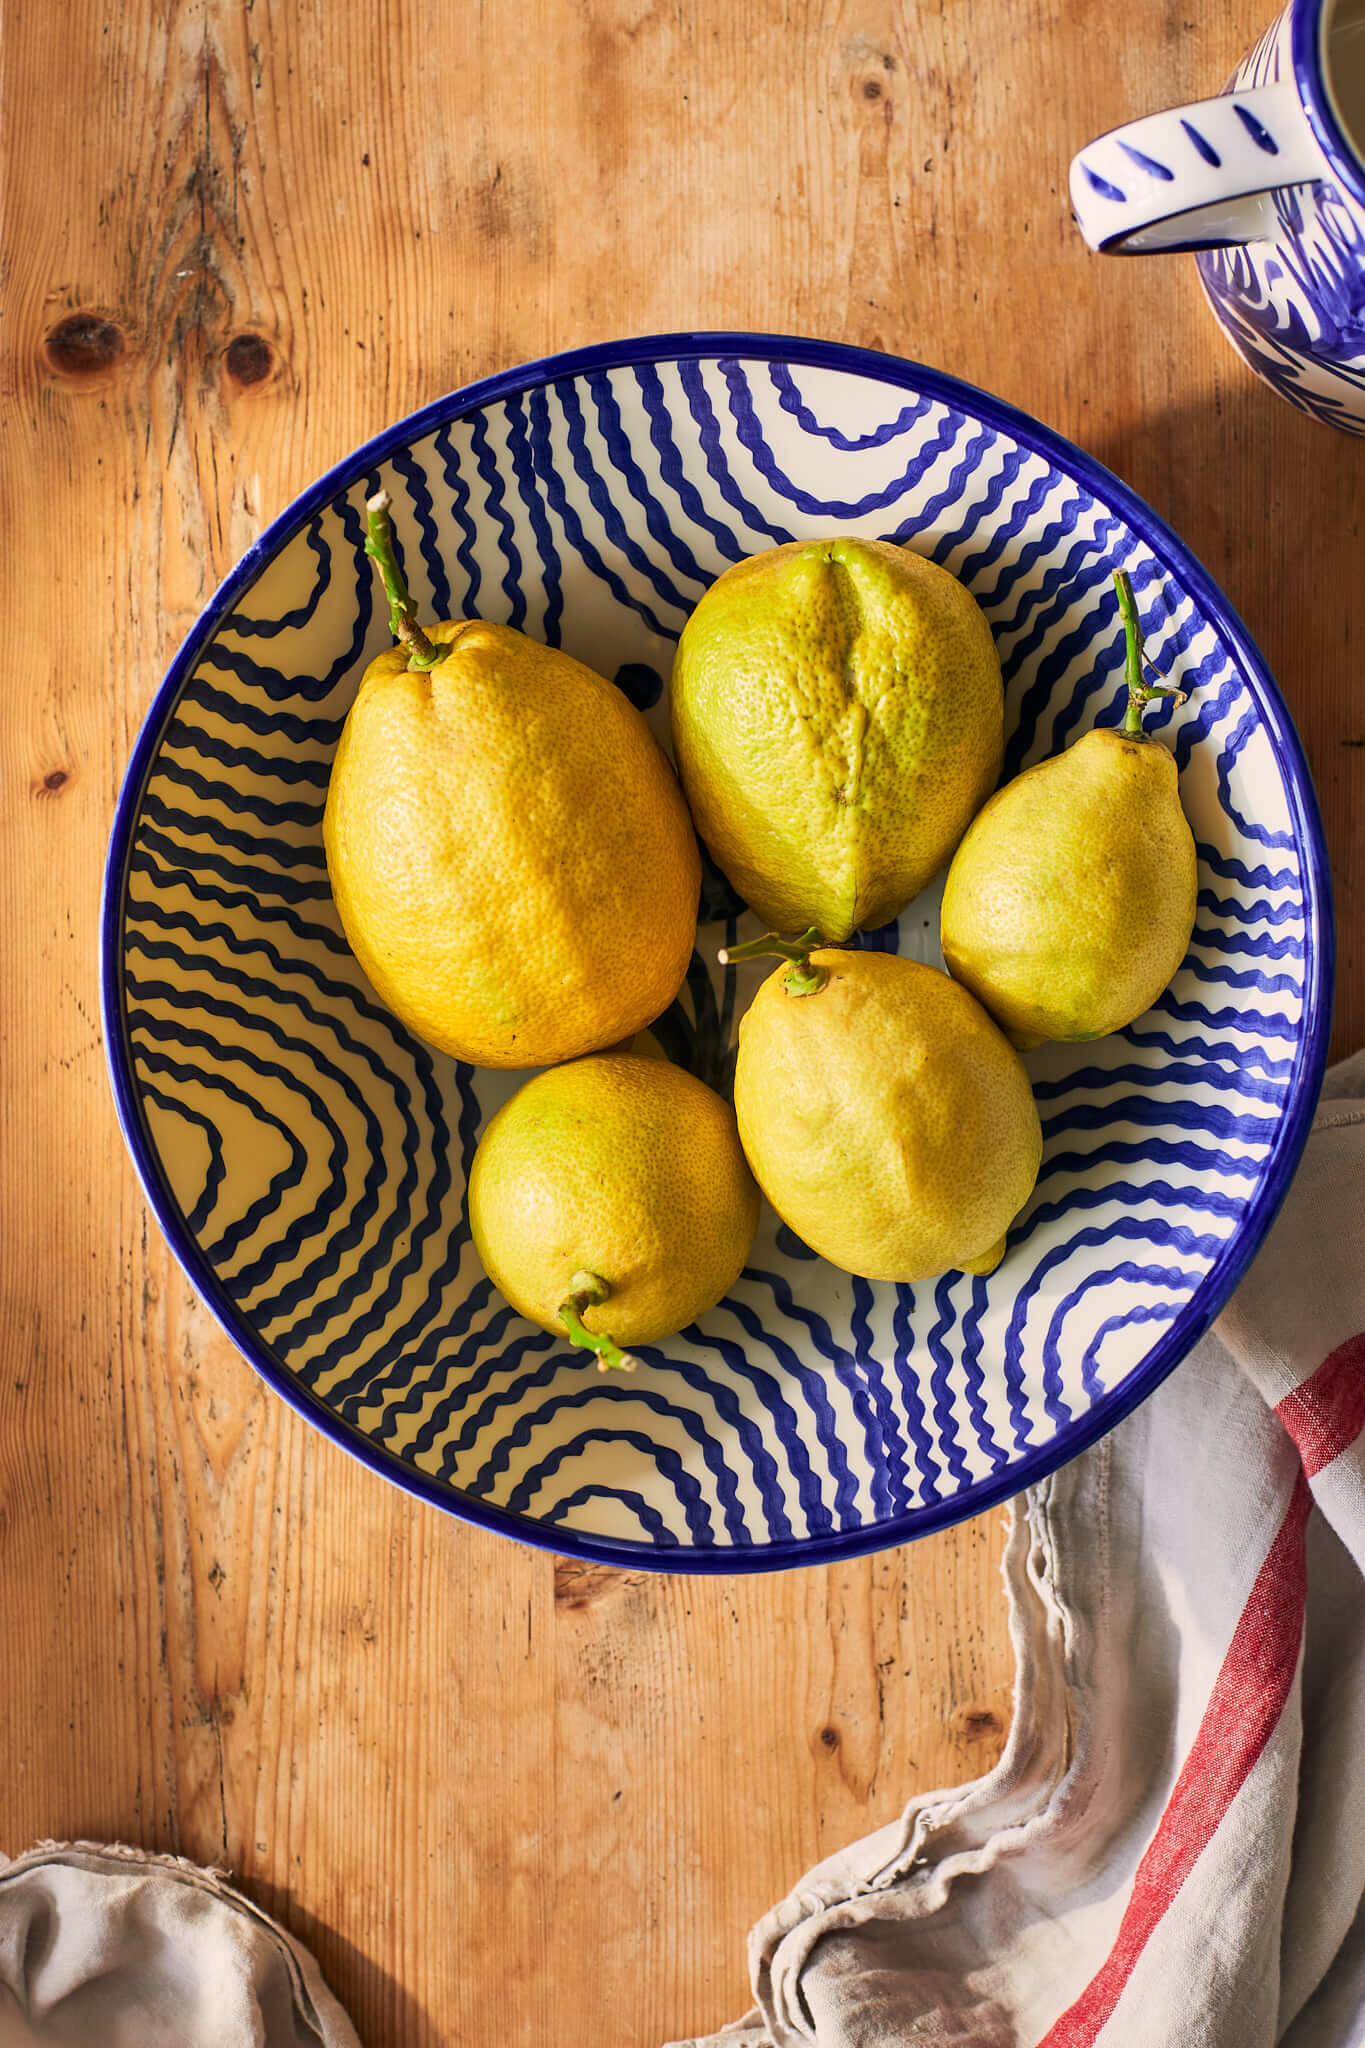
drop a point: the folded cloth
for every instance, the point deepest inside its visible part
(109, 1948)
(1171, 1850)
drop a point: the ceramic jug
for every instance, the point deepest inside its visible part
(1267, 184)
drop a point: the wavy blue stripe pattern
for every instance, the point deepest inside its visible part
(318, 1154)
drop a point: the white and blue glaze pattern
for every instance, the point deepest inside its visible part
(1264, 184)
(1293, 302)
(307, 1156)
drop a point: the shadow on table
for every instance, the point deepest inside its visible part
(378, 2006)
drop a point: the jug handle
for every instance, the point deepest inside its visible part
(1195, 177)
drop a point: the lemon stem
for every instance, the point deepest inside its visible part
(805, 977)
(587, 1290)
(1140, 691)
(422, 652)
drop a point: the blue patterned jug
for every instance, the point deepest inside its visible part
(1267, 183)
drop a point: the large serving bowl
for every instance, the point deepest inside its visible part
(306, 1156)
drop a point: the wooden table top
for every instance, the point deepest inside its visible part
(504, 1798)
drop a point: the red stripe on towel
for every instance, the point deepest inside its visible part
(1327, 1413)
(1245, 1705)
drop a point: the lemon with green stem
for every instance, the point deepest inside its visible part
(611, 1203)
(886, 1118)
(1070, 902)
(497, 816)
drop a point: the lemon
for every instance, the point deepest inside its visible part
(838, 718)
(885, 1117)
(617, 1180)
(1070, 902)
(508, 848)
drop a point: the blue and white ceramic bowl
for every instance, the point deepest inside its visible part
(306, 1157)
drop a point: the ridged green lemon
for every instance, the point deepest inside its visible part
(838, 719)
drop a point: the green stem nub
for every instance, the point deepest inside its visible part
(1140, 691)
(804, 978)
(588, 1290)
(422, 652)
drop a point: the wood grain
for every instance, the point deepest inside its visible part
(506, 1798)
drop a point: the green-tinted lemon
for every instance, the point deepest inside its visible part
(509, 851)
(886, 1118)
(1070, 902)
(623, 1168)
(837, 720)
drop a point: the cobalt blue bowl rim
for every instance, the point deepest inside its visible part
(1185, 1329)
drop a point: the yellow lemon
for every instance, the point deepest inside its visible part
(610, 1199)
(885, 1117)
(838, 719)
(1070, 902)
(509, 850)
